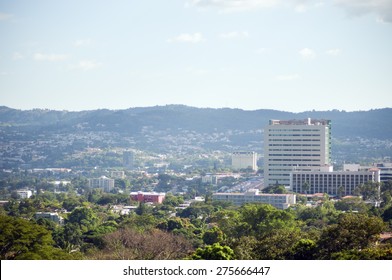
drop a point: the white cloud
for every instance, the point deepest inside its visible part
(187, 38)
(234, 5)
(82, 43)
(86, 65)
(4, 16)
(289, 77)
(17, 56)
(381, 8)
(235, 35)
(307, 53)
(49, 57)
(334, 52)
(197, 71)
(261, 50)
(301, 8)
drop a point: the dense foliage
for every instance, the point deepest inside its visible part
(345, 229)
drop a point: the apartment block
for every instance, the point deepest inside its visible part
(332, 182)
(280, 201)
(243, 160)
(102, 182)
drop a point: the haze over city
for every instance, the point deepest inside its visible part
(250, 54)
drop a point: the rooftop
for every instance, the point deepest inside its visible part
(307, 121)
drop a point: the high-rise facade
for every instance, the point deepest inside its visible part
(128, 159)
(295, 145)
(102, 182)
(243, 160)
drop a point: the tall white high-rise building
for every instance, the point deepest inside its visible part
(243, 160)
(295, 145)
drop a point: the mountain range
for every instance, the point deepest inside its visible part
(372, 124)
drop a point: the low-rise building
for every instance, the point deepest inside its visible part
(209, 179)
(55, 217)
(332, 183)
(385, 169)
(24, 193)
(280, 201)
(117, 174)
(152, 197)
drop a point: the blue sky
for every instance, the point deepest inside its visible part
(252, 54)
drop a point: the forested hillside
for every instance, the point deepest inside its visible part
(365, 124)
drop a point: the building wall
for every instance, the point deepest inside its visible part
(117, 174)
(302, 145)
(280, 201)
(24, 193)
(152, 197)
(330, 182)
(50, 216)
(243, 160)
(385, 169)
(103, 182)
(128, 159)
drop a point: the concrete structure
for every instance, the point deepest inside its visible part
(117, 174)
(103, 182)
(295, 145)
(280, 201)
(385, 169)
(128, 160)
(23, 194)
(331, 182)
(243, 160)
(151, 197)
(209, 179)
(50, 216)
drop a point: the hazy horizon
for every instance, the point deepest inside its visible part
(189, 106)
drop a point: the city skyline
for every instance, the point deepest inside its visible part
(250, 54)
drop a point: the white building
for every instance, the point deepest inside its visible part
(103, 182)
(332, 182)
(243, 160)
(385, 169)
(117, 174)
(209, 179)
(295, 145)
(24, 193)
(280, 201)
(128, 159)
(55, 217)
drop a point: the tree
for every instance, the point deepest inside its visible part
(352, 231)
(374, 253)
(351, 204)
(341, 191)
(306, 187)
(84, 217)
(214, 235)
(264, 218)
(213, 252)
(23, 239)
(130, 244)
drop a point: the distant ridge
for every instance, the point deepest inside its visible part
(374, 123)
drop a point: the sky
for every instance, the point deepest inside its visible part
(293, 56)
